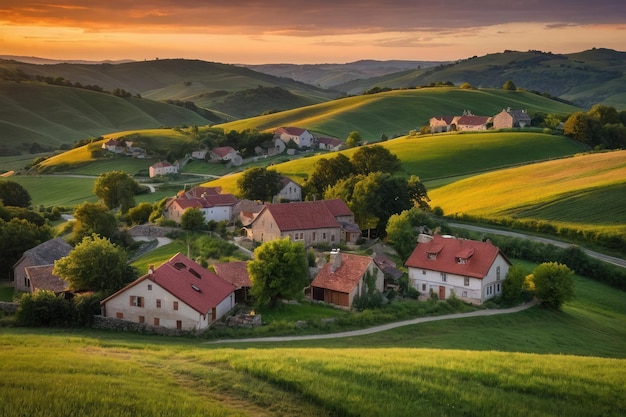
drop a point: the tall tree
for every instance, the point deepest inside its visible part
(93, 218)
(16, 237)
(353, 139)
(259, 183)
(13, 194)
(193, 219)
(375, 158)
(327, 172)
(509, 85)
(95, 264)
(554, 284)
(116, 189)
(578, 127)
(279, 271)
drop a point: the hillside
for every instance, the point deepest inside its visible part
(207, 84)
(586, 78)
(53, 116)
(397, 112)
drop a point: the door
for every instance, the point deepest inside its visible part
(442, 292)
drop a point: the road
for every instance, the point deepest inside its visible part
(606, 258)
(382, 327)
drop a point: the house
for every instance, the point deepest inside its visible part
(301, 137)
(309, 222)
(237, 274)
(43, 254)
(162, 168)
(330, 144)
(508, 118)
(291, 191)
(470, 123)
(344, 277)
(247, 210)
(114, 146)
(199, 154)
(471, 270)
(388, 267)
(440, 124)
(41, 278)
(179, 294)
(214, 205)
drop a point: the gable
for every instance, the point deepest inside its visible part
(344, 278)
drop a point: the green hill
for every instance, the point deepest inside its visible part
(397, 112)
(53, 116)
(586, 78)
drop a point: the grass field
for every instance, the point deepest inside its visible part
(535, 363)
(585, 190)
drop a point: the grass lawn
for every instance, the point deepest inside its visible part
(6, 291)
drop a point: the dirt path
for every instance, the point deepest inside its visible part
(382, 327)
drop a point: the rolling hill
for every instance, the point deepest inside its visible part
(586, 78)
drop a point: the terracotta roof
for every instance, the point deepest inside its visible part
(222, 151)
(234, 272)
(200, 191)
(307, 214)
(48, 252)
(194, 285)
(479, 256)
(330, 141)
(295, 131)
(446, 119)
(472, 120)
(42, 278)
(161, 164)
(346, 277)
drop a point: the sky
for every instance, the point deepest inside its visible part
(305, 32)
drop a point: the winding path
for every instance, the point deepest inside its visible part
(382, 327)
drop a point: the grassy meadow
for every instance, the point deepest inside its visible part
(585, 190)
(534, 363)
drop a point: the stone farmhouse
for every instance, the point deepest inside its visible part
(209, 200)
(162, 168)
(471, 270)
(330, 144)
(344, 277)
(226, 154)
(508, 118)
(309, 222)
(470, 123)
(33, 271)
(237, 274)
(301, 137)
(291, 191)
(179, 294)
(439, 124)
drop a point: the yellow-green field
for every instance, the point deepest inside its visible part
(554, 186)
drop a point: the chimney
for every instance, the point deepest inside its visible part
(151, 269)
(335, 260)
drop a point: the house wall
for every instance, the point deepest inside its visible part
(264, 229)
(438, 125)
(477, 291)
(21, 281)
(471, 128)
(304, 140)
(162, 171)
(167, 316)
(218, 213)
(291, 191)
(502, 120)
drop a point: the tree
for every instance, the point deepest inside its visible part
(466, 86)
(578, 127)
(116, 189)
(16, 237)
(328, 172)
(417, 192)
(193, 219)
(353, 139)
(401, 234)
(368, 159)
(93, 218)
(259, 183)
(554, 284)
(604, 114)
(95, 264)
(279, 271)
(513, 284)
(509, 85)
(140, 214)
(13, 194)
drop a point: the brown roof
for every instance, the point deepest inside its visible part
(222, 151)
(48, 252)
(42, 278)
(478, 256)
(295, 131)
(472, 120)
(346, 277)
(330, 141)
(308, 214)
(161, 164)
(446, 119)
(234, 272)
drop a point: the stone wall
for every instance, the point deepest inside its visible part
(9, 308)
(119, 325)
(152, 231)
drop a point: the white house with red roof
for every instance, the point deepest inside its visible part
(470, 123)
(309, 222)
(179, 294)
(344, 277)
(214, 205)
(162, 168)
(330, 144)
(301, 137)
(470, 269)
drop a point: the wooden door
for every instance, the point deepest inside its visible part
(442, 292)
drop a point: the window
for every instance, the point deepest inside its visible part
(498, 287)
(324, 235)
(142, 319)
(179, 324)
(466, 282)
(464, 294)
(432, 256)
(119, 315)
(158, 303)
(175, 305)
(444, 277)
(157, 322)
(498, 273)
(423, 287)
(149, 287)
(423, 272)
(136, 301)
(314, 236)
(26, 282)
(461, 261)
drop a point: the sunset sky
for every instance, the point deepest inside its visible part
(314, 31)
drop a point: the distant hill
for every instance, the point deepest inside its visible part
(52, 116)
(37, 60)
(586, 78)
(208, 84)
(397, 112)
(331, 75)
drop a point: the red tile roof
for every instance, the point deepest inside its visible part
(446, 119)
(295, 131)
(200, 191)
(472, 120)
(308, 214)
(346, 277)
(478, 256)
(222, 151)
(234, 272)
(161, 164)
(330, 141)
